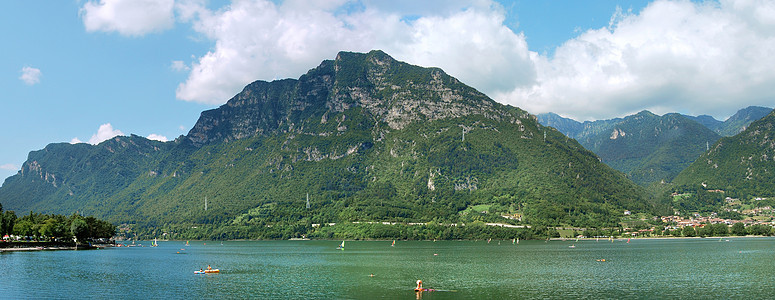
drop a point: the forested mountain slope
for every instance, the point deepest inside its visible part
(367, 137)
(647, 147)
(741, 165)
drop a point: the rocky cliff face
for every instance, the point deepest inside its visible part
(388, 91)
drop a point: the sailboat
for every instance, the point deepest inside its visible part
(393, 244)
(154, 243)
(340, 247)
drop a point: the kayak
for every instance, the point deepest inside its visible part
(207, 271)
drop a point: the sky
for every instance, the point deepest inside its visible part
(84, 71)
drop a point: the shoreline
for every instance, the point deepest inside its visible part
(663, 238)
(472, 240)
(55, 248)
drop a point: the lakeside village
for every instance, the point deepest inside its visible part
(752, 217)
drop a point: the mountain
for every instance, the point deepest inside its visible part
(739, 121)
(741, 165)
(734, 124)
(364, 137)
(569, 127)
(707, 121)
(647, 147)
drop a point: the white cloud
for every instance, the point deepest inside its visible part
(104, 133)
(694, 57)
(179, 65)
(30, 75)
(263, 40)
(128, 17)
(9, 167)
(157, 137)
(700, 58)
(75, 140)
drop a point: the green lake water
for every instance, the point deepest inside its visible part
(731, 268)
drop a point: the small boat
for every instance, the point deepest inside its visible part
(207, 271)
(393, 244)
(341, 246)
(572, 246)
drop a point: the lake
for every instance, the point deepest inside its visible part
(671, 268)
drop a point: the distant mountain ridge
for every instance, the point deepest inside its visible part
(657, 157)
(731, 126)
(366, 137)
(738, 122)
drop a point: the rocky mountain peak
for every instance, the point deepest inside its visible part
(389, 92)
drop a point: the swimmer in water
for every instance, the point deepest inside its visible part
(419, 286)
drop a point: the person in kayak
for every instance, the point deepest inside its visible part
(209, 268)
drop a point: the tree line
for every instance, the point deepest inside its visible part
(52, 227)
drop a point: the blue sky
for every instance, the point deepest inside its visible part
(84, 71)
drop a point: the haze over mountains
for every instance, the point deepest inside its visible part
(364, 137)
(651, 148)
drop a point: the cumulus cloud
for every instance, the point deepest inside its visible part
(700, 58)
(263, 40)
(30, 75)
(9, 167)
(76, 140)
(157, 137)
(128, 17)
(706, 57)
(104, 133)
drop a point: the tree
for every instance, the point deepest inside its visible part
(79, 228)
(55, 227)
(99, 228)
(689, 231)
(25, 228)
(720, 229)
(738, 229)
(7, 222)
(704, 231)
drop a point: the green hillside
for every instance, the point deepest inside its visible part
(742, 165)
(367, 137)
